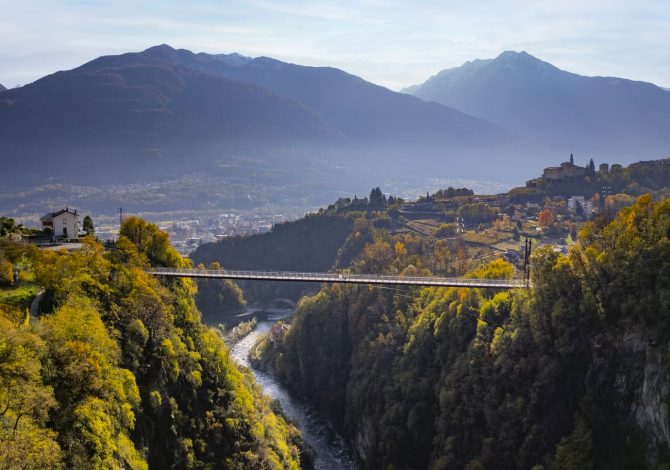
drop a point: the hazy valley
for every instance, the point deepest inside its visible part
(218, 261)
(175, 135)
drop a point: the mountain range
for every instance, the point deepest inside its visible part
(2, 88)
(604, 117)
(357, 108)
(163, 112)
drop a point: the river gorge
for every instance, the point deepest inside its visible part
(331, 451)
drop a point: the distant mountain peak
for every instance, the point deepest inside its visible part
(515, 54)
(164, 51)
(522, 59)
(513, 60)
(2, 88)
(605, 115)
(160, 48)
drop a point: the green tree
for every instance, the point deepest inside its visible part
(591, 168)
(25, 440)
(377, 198)
(6, 270)
(97, 399)
(7, 226)
(88, 225)
(574, 452)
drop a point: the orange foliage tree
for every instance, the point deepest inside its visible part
(546, 218)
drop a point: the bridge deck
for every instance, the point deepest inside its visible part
(341, 278)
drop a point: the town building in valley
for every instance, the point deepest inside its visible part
(586, 205)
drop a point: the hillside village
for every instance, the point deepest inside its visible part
(550, 209)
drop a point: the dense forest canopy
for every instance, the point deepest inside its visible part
(570, 375)
(119, 372)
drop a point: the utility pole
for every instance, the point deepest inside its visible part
(120, 219)
(526, 253)
(606, 191)
(529, 248)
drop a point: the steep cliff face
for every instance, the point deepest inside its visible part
(630, 368)
(365, 439)
(650, 408)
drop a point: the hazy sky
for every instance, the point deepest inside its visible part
(392, 43)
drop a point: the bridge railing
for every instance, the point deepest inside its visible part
(339, 277)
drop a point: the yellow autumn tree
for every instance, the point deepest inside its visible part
(25, 440)
(96, 398)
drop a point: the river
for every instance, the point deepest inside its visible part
(331, 452)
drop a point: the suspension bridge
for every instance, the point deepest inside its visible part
(345, 278)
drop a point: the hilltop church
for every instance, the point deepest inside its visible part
(566, 170)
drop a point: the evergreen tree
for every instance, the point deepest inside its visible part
(572, 160)
(377, 198)
(574, 451)
(88, 225)
(7, 226)
(592, 167)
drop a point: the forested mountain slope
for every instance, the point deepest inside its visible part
(119, 372)
(158, 118)
(624, 119)
(571, 374)
(358, 108)
(164, 113)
